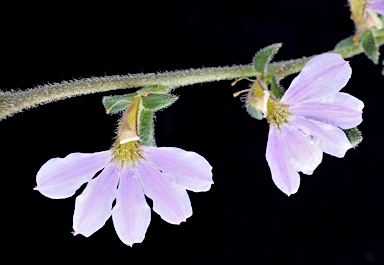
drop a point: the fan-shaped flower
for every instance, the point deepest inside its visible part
(308, 120)
(129, 170)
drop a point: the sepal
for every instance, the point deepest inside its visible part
(276, 90)
(368, 44)
(146, 128)
(354, 136)
(263, 57)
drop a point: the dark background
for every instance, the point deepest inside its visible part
(336, 217)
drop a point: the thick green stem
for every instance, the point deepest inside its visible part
(16, 101)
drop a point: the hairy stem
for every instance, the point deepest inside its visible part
(16, 101)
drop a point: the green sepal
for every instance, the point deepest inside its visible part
(354, 136)
(277, 90)
(257, 114)
(114, 104)
(147, 127)
(155, 102)
(264, 56)
(345, 43)
(369, 46)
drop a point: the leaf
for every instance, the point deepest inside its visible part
(264, 56)
(114, 104)
(369, 46)
(345, 43)
(155, 102)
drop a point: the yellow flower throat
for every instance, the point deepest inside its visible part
(126, 149)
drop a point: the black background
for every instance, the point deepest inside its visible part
(336, 217)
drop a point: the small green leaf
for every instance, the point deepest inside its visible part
(354, 136)
(264, 56)
(1, 101)
(345, 43)
(155, 102)
(114, 104)
(147, 128)
(159, 89)
(257, 114)
(369, 46)
(276, 89)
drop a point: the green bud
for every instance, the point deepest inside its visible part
(147, 127)
(354, 136)
(263, 57)
(369, 46)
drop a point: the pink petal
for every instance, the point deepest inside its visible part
(93, 206)
(300, 149)
(341, 109)
(376, 5)
(60, 177)
(188, 169)
(131, 214)
(322, 76)
(331, 139)
(284, 175)
(170, 200)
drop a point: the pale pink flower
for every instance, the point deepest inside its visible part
(162, 174)
(308, 120)
(376, 6)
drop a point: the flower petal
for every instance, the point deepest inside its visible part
(341, 109)
(301, 150)
(93, 206)
(188, 169)
(376, 5)
(131, 214)
(60, 177)
(170, 200)
(284, 175)
(331, 139)
(322, 76)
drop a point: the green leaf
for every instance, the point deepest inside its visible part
(369, 46)
(147, 128)
(257, 114)
(114, 104)
(264, 56)
(276, 89)
(159, 89)
(354, 136)
(345, 43)
(155, 102)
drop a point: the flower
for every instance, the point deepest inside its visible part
(376, 6)
(129, 170)
(308, 120)
(364, 14)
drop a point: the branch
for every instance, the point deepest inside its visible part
(16, 101)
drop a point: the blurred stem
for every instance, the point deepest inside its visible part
(16, 101)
